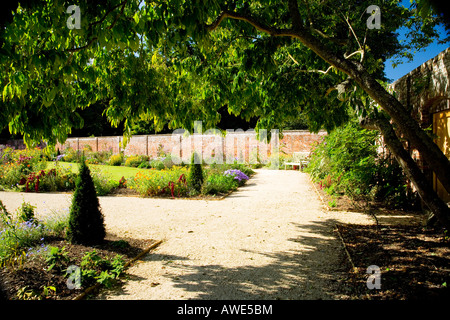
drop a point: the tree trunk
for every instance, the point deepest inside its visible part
(413, 172)
(411, 130)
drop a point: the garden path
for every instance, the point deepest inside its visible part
(271, 239)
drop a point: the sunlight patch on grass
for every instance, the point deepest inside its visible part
(115, 172)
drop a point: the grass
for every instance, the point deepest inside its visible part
(115, 172)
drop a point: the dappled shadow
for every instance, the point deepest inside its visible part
(414, 261)
(393, 217)
(313, 271)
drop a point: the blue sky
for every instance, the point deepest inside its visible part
(420, 57)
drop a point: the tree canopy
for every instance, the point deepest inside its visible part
(174, 62)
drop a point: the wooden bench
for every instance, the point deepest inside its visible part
(299, 159)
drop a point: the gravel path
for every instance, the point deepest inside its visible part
(272, 239)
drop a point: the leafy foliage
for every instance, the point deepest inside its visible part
(86, 224)
(94, 268)
(57, 259)
(216, 183)
(136, 160)
(116, 159)
(159, 65)
(195, 176)
(348, 162)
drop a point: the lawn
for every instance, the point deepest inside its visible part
(114, 172)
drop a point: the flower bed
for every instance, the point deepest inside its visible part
(161, 182)
(173, 182)
(37, 262)
(28, 171)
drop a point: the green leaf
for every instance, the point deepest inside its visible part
(5, 92)
(136, 17)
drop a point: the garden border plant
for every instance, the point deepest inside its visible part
(347, 163)
(36, 265)
(34, 173)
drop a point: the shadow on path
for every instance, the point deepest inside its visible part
(314, 271)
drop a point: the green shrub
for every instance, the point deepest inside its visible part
(94, 268)
(55, 179)
(144, 165)
(21, 240)
(17, 164)
(216, 183)
(57, 259)
(160, 182)
(26, 212)
(86, 223)
(157, 164)
(99, 157)
(347, 162)
(70, 155)
(135, 161)
(103, 183)
(116, 159)
(195, 177)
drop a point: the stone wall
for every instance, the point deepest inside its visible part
(425, 90)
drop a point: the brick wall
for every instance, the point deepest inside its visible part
(242, 145)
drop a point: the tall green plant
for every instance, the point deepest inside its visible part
(86, 223)
(347, 162)
(195, 177)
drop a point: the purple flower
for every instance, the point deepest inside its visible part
(236, 174)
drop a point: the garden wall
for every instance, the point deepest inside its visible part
(426, 92)
(243, 145)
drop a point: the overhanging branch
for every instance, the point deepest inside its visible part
(255, 23)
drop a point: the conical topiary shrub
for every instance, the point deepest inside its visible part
(195, 177)
(86, 224)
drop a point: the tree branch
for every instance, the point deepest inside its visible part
(255, 23)
(310, 70)
(354, 69)
(117, 17)
(83, 47)
(410, 167)
(360, 51)
(108, 12)
(353, 32)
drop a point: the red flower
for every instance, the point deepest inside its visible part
(36, 186)
(182, 178)
(122, 182)
(172, 187)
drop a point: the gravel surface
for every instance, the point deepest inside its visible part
(272, 239)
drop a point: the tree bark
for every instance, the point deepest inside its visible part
(437, 206)
(411, 130)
